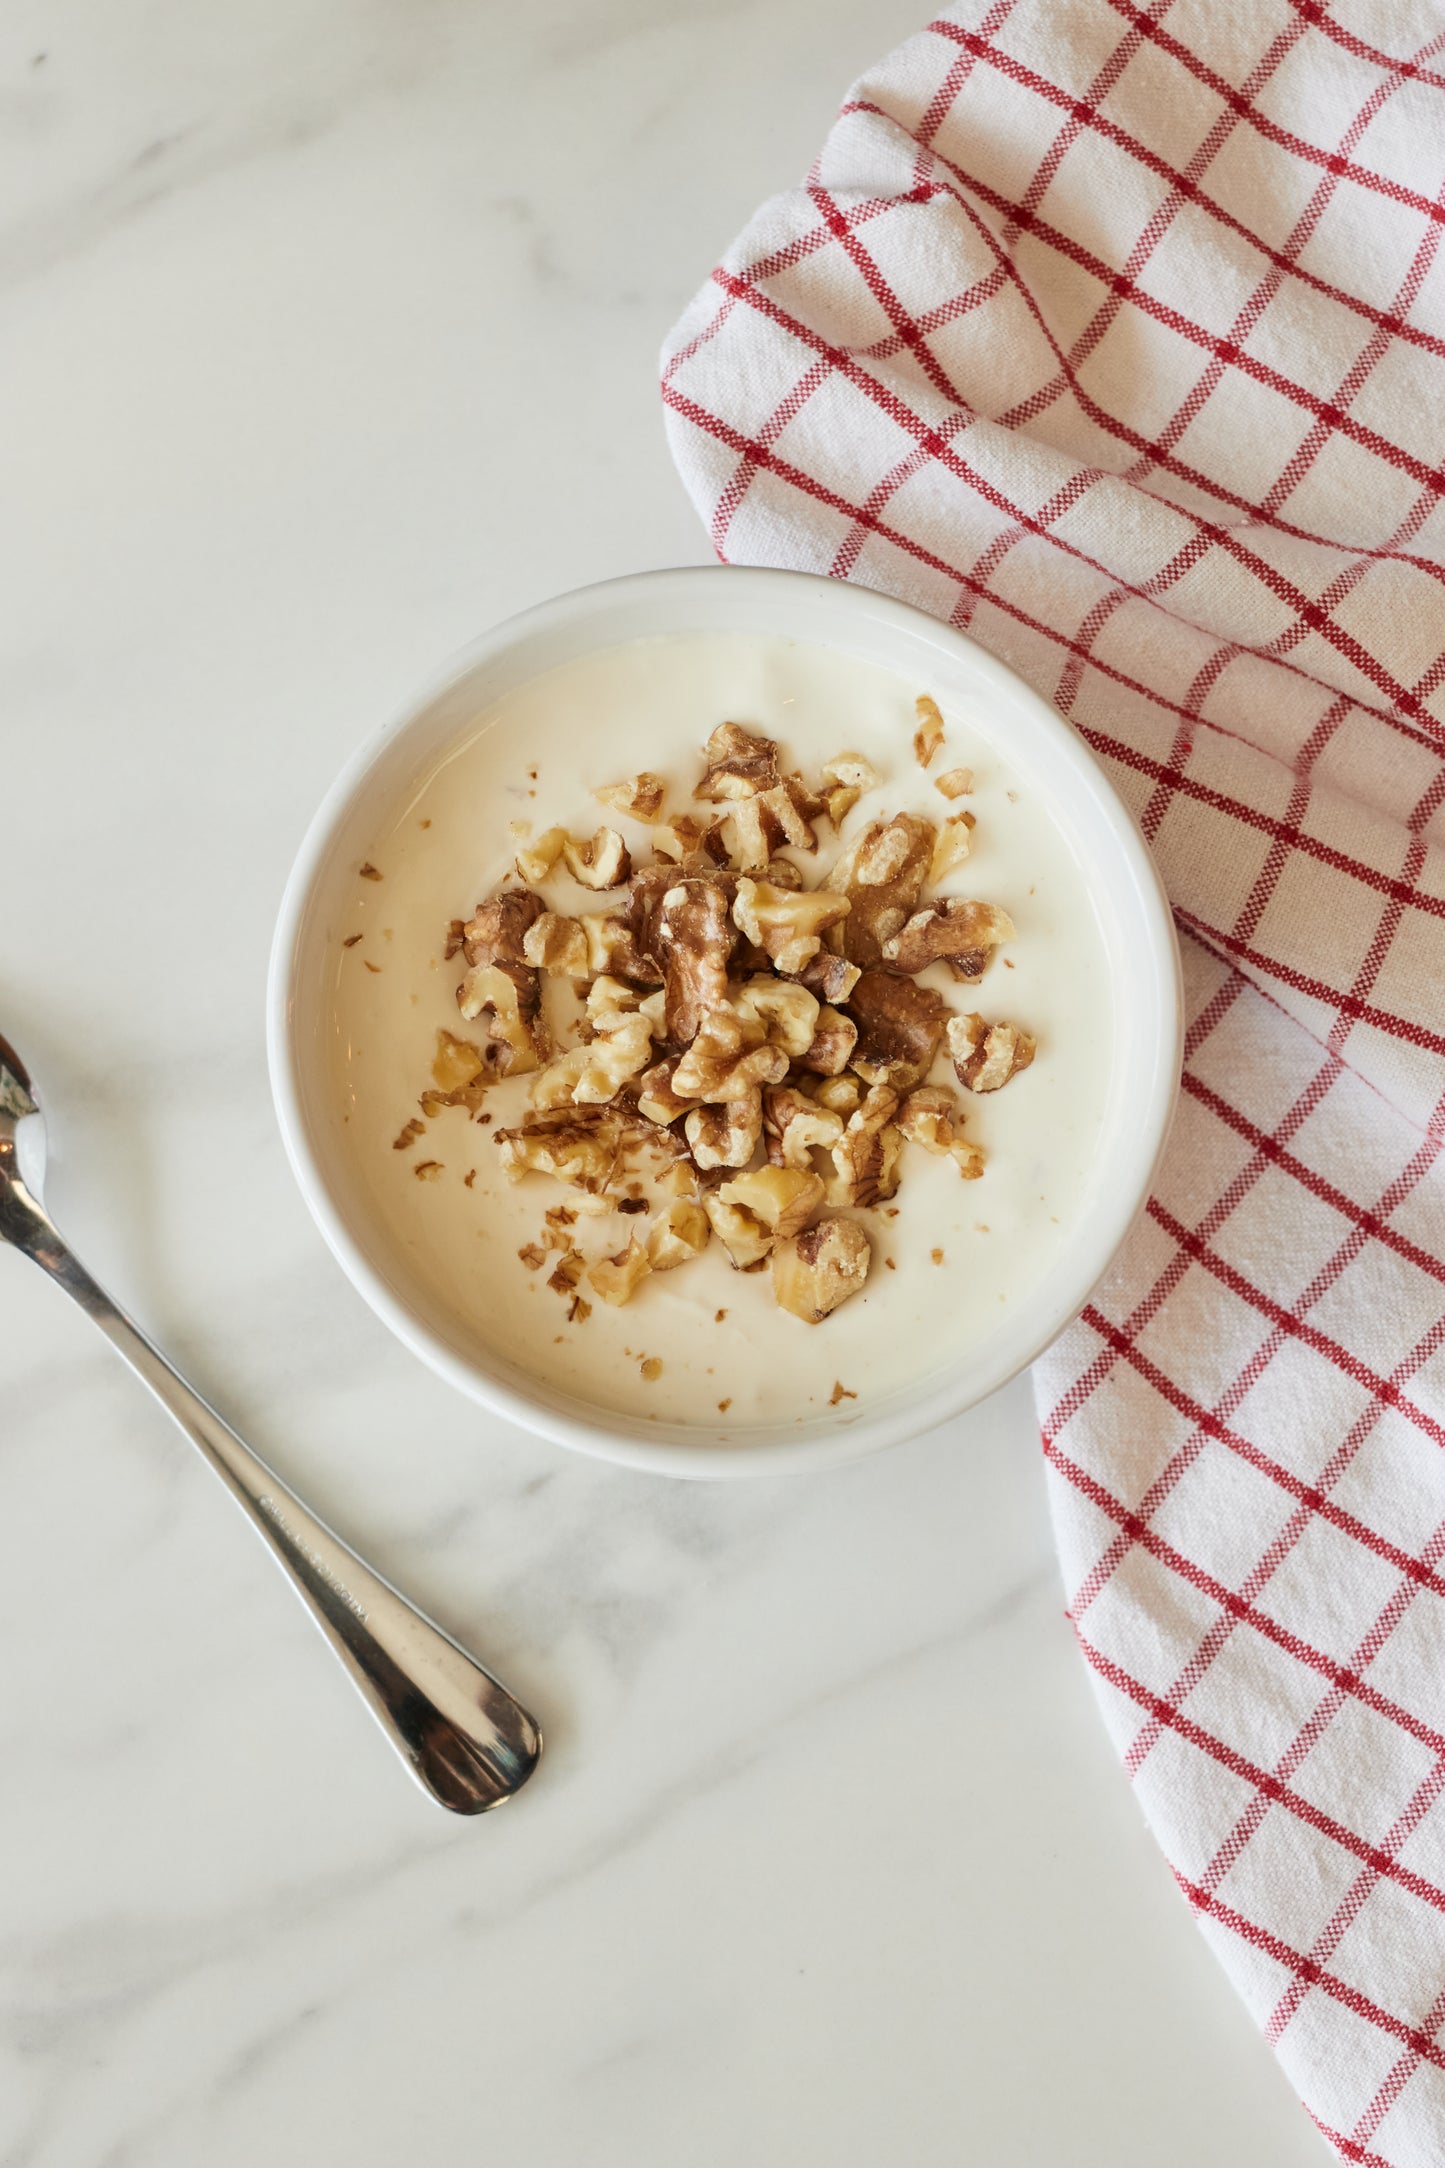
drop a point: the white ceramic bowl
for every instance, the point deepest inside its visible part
(1042, 750)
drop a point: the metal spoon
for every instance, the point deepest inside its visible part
(464, 1738)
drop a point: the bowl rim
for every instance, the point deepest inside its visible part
(765, 1453)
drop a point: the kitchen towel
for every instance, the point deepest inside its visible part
(1115, 335)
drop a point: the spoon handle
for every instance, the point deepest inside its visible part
(461, 1734)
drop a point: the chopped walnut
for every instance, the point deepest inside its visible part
(533, 1256)
(741, 1233)
(955, 782)
(603, 863)
(787, 1012)
(580, 1148)
(753, 832)
(642, 919)
(461, 1075)
(536, 860)
(727, 1061)
(882, 876)
(839, 1094)
(725, 1135)
(656, 1099)
(796, 809)
(682, 1233)
(961, 934)
(985, 1056)
(611, 1003)
(507, 999)
(831, 978)
(594, 1073)
(783, 1198)
(679, 837)
(866, 1156)
(496, 932)
(616, 1279)
(408, 1136)
(782, 873)
(787, 926)
(795, 1125)
(849, 772)
(428, 1170)
(558, 945)
(821, 1267)
(900, 1028)
(831, 1047)
(696, 936)
(928, 737)
(456, 1063)
(929, 1116)
(955, 841)
(640, 796)
(739, 764)
(611, 948)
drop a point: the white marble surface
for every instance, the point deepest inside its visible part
(327, 330)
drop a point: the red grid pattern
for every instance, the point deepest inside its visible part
(1115, 332)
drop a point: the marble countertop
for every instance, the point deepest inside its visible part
(327, 330)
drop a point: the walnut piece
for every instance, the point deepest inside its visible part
(955, 841)
(882, 876)
(640, 796)
(579, 1148)
(461, 1075)
(831, 978)
(839, 1094)
(696, 938)
(611, 1003)
(603, 863)
(616, 1279)
(557, 944)
(725, 1135)
(787, 1012)
(782, 873)
(728, 1059)
(984, 1055)
(928, 737)
(788, 926)
(900, 1028)
(960, 933)
(752, 833)
(507, 999)
(682, 1233)
(611, 948)
(866, 1156)
(656, 1099)
(832, 1045)
(955, 782)
(496, 932)
(795, 1124)
(739, 764)
(741, 1233)
(680, 837)
(929, 1116)
(535, 860)
(783, 1198)
(594, 1073)
(821, 1267)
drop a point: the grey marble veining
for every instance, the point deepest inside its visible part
(328, 334)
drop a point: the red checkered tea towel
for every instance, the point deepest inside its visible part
(1115, 334)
